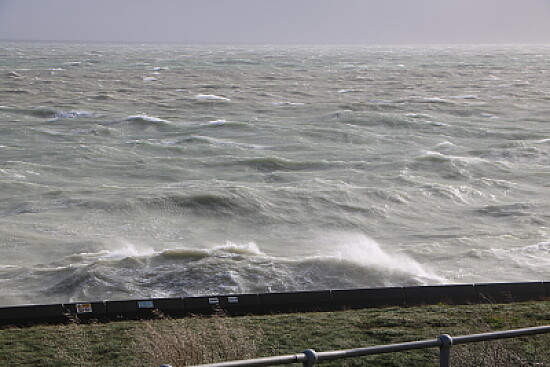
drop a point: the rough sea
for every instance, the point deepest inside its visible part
(165, 170)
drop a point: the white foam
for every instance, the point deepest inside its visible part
(349, 91)
(431, 155)
(74, 114)
(445, 144)
(226, 142)
(466, 96)
(539, 247)
(217, 122)
(288, 104)
(211, 97)
(121, 249)
(249, 248)
(418, 115)
(433, 100)
(144, 118)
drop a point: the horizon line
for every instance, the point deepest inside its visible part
(211, 43)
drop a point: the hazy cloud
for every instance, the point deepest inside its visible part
(278, 21)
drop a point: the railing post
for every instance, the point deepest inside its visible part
(311, 358)
(445, 350)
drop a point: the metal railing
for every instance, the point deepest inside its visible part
(444, 342)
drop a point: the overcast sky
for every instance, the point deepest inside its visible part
(278, 21)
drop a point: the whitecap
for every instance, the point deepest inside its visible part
(417, 115)
(122, 249)
(445, 144)
(539, 247)
(288, 104)
(211, 97)
(432, 100)
(149, 78)
(217, 122)
(144, 117)
(223, 142)
(466, 96)
(349, 91)
(74, 114)
(249, 248)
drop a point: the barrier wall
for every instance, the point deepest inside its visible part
(296, 301)
(449, 294)
(237, 304)
(510, 292)
(144, 309)
(369, 297)
(31, 314)
(86, 311)
(264, 303)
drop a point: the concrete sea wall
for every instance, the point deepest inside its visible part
(265, 303)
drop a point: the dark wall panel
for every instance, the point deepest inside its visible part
(86, 311)
(296, 301)
(369, 297)
(22, 315)
(510, 292)
(450, 294)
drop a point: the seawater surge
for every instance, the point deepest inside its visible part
(131, 171)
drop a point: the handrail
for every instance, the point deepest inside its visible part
(444, 341)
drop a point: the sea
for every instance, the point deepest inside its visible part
(131, 171)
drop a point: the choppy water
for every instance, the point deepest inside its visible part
(133, 171)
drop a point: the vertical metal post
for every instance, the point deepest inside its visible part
(445, 350)
(311, 358)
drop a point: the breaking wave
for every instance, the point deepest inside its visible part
(131, 271)
(49, 113)
(211, 97)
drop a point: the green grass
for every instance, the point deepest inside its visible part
(209, 339)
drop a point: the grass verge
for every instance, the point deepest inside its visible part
(210, 339)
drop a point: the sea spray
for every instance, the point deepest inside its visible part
(355, 247)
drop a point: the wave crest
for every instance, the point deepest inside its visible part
(129, 271)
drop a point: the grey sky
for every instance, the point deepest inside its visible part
(278, 21)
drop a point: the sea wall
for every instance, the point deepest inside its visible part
(264, 303)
